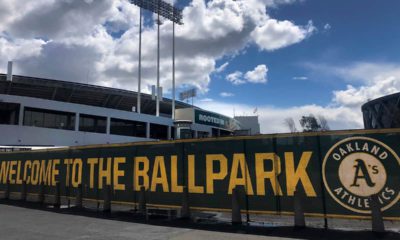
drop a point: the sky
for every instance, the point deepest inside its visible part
(277, 59)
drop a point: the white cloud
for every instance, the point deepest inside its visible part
(20, 48)
(327, 27)
(274, 34)
(344, 109)
(236, 78)
(222, 67)
(356, 96)
(300, 78)
(258, 75)
(357, 72)
(97, 41)
(272, 118)
(206, 100)
(368, 72)
(226, 94)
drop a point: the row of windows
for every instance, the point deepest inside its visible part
(128, 128)
(9, 113)
(90, 123)
(49, 119)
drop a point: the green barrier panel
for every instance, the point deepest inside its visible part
(337, 171)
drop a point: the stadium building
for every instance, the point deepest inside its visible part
(44, 112)
(383, 112)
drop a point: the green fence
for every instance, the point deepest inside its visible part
(337, 171)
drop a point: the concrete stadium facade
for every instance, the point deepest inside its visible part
(46, 112)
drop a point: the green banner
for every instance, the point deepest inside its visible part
(211, 119)
(336, 171)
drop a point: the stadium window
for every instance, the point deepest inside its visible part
(158, 131)
(224, 133)
(9, 113)
(49, 119)
(127, 128)
(215, 132)
(90, 123)
(186, 133)
(201, 134)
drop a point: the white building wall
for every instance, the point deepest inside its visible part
(13, 135)
(249, 123)
(19, 135)
(28, 135)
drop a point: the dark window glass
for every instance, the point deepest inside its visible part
(49, 118)
(127, 128)
(224, 133)
(215, 132)
(37, 118)
(186, 133)
(9, 113)
(158, 131)
(201, 134)
(90, 123)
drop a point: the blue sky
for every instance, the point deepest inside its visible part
(357, 33)
(287, 58)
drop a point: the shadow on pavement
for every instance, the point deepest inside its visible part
(209, 224)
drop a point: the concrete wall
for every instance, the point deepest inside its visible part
(249, 122)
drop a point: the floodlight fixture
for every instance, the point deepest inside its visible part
(161, 8)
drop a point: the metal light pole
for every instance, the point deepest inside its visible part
(167, 11)
(140, 63)
(158, 66)
(173, 70)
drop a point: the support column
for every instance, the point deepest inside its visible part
(299, 219)
(377, 219)
(185, 209)
(142, 201)
(236, 213)
(7, 191)
(23, 191)
(21, 115)
(77, 122)
(79, 196)
(41, 198)
(147, 130)
(108, 125)
(169, 133)
(57, 196)
(107, 196)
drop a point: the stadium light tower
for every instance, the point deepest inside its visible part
(167, 11)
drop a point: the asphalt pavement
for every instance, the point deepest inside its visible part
(20, 220)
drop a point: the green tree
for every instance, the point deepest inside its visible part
(310, 124)
(289, 122)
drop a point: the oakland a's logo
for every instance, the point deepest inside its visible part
(358, 167)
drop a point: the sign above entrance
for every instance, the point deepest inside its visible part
(211, 119)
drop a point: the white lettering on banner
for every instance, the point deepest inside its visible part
(210, 119)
